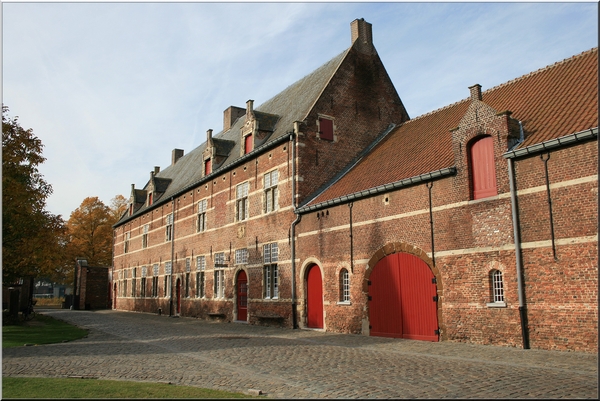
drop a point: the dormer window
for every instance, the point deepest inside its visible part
(150, 199)
(483, 168)
(207, 167)
(325, 127)
(131, 209)
(248, 142)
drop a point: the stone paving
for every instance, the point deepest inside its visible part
(285, 363)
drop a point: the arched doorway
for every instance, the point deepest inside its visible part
(403, 299)
(314, 298)
(178, 296)
(242, 296)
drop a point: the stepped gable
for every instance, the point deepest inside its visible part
(554, 101)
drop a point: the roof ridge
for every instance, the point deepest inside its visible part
(553, 65)
(540, 70)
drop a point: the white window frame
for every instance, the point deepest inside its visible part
(344, 286)
(241, 201)
(219, 275)
(169, 227)
(126, 242)
(270, 271)
(241, 256)
(145, 236)
(201, 220)
(168, 279)
(271, 179)
(497, 287)
(200, 278)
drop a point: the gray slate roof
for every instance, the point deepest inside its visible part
(277, 114)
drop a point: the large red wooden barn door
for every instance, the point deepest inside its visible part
(403, 299)
(314, 298)
(242, 296)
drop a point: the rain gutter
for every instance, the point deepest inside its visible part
(445, 172)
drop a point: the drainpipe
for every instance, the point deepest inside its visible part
(519, 260)
(351, 240)
(429, 186)
(545, 160)
(294, 223)
(172, 256)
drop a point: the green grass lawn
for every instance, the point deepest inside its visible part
(27, 387)
(46, 330)
(41, 330)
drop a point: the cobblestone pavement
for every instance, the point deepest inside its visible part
(285, 363)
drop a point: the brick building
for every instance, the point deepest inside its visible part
(327, 207)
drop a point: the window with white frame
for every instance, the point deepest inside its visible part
(496, 289)
(201, 222)
(344, 286)
(143, 283)
(241, 256)
(145, 236)
(241, 203)
(155, 281)
(200, 266)
(133, 282)
(270, 273)
(169, 229)
(271, 192)
(219, 275)
(168, 267)
(126, 244)
(497, 286)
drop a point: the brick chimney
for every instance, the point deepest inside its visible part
(250, 110)
(475, 92)
(362, 33)
(176, 155)
(156, 169)
(230, 115)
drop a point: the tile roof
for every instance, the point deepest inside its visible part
(551, 102)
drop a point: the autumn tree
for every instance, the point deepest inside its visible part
(118, 206)
(32, 238)
(90, 232)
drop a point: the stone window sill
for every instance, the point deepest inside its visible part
(496, 305)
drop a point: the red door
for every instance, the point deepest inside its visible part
(314, 298)
(483, 168)
(402, 299)
(242, 296)
(178, 293)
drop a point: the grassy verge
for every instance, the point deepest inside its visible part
(26, 387)
(41, 330)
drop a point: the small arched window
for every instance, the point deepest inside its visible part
(344, 286)
(497, 289)
(483, 168)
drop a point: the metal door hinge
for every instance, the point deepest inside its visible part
(435, 298)
(369, 298)
(434, 280)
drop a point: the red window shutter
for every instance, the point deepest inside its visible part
(150, 199)
(207, 167)
(483, 168)
(326, 129)
(248, 144)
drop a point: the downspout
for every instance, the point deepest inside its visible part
(172, 256)
(545, 160)
(294, 223)
(429, 187)
(351, 240)
(517, 237)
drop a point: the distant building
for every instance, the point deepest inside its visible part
(327, 207)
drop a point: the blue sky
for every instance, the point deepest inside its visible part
(112, 88)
